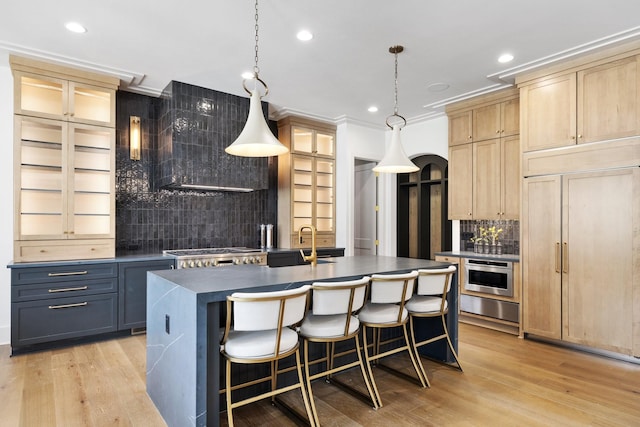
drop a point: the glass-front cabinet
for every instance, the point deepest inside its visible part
(306, 179)
(64, 163)
(54, 98)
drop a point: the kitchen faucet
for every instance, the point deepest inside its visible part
(313, 257)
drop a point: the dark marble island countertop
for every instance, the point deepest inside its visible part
(216, 284)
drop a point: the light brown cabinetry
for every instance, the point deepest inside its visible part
(306, 183)
(588, 104)
(64, 164)
(580, 250)
(496, 120)
(484, 175)
(496, 177)
(461, 182)
(461, 128)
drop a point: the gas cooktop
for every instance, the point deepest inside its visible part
(217, 257)
(211, 251)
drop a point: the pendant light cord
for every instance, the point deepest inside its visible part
(395, 109)
(396, 50)
(256, 69)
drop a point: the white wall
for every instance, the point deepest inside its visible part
(6, 178)
(357, 141)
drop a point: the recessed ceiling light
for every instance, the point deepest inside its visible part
(74, 27)
(505, 57)
(437, 87)
(304, 35)
(372, 109)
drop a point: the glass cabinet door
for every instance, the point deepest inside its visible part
(302, 140)
(325, 144)
(41, 96)
(42, 179)
(91, 189)
(91, 104)
(324, 195)
(302, 198)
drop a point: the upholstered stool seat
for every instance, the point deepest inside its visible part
(425, 304)
(316, 326)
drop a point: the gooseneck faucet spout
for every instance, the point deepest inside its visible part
(313, 257)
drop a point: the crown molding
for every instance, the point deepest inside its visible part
(129, 79)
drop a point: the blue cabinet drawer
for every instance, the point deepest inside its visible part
(54, 319)
(62, 273)
(58, 289)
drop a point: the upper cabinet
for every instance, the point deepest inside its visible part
(54, 98)
(484, 157)
(306, 183)
(461, 128)
(64, 164)
(496, 120)
(594, 103)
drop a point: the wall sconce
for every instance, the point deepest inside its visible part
(134, 138)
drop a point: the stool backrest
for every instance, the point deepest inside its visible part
(435, 281)
(263, 311)
(392, 288)
(339, 297)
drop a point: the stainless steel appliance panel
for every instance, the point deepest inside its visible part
(497, 309)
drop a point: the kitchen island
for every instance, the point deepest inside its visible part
(183, 323)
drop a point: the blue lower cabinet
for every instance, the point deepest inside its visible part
(132, 291)
(39, 321)
(52, 302)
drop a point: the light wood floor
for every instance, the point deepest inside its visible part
(507, 382)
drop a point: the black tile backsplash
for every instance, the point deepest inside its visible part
(196, 125)
(150, 219)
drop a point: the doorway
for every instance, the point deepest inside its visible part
(365, 227)
(423, 226)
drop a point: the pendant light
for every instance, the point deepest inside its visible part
(256, 139)
(396, 160)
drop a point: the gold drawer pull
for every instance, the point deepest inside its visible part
(79, 288)
(71, 273)
(80, 304)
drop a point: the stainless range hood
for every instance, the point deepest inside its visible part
(195, 126)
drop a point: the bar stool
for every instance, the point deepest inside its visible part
(386, 309)
(431, 301)
(331, 321)
(262, 332)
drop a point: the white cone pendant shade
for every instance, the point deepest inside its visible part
(396, 160)
(256, 139)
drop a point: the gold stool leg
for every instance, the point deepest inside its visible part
(368, 359)
(415, 351)
(308, 379)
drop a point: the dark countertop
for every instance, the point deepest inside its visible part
(466, 254)
(216, 284)
(124, 258)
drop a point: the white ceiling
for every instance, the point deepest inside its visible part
(343, 70)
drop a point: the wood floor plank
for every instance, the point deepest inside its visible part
(507, 382)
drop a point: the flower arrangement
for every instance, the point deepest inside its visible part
(487, 235)
(493, 234)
